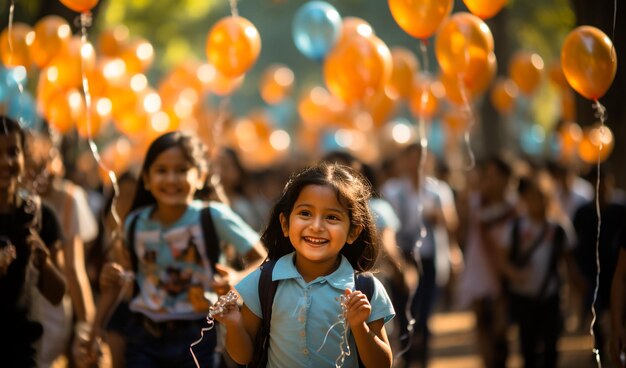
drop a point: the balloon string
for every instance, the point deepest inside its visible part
(222, 305)
(467, 109)
(613, 33)
(233, 8)
(10, 30)
(20, 87)
(600, 113)
(216, 134)
(85, 20)
(424, 52)
(344, 345)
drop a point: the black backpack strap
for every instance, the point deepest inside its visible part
(364, 282)
(518, 258)
(211, 240)
(558, 247)
(514, 251)
(267, 290)
(130, 241)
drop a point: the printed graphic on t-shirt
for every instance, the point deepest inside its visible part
(174, 273)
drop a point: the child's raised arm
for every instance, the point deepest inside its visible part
(371, 338)
(242, 327)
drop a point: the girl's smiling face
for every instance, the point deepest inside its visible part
(318, 227)
(11, 162)
(172, 179)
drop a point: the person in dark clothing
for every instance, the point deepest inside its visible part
(29, 234)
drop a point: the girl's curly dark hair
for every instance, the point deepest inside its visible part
(353, 192)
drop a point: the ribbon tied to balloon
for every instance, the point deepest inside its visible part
(589, 63)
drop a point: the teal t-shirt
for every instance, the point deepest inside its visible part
(302, 313)
(173, 269)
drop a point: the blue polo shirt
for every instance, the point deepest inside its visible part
(303, 312)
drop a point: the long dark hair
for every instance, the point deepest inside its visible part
(353, 192)
(9, 126)
(193, 149)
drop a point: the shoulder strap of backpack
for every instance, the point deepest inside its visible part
(211, 240)
(364, 282)
(514, 251)
(558, 247)
(130, 241)
(267, 290)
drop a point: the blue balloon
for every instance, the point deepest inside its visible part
(532, 139)
(21, 107)
(316, 28)
(436, 138)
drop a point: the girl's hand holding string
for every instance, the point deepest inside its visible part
(358, 308)
(111, 277)
(228, 314)
(224, 279)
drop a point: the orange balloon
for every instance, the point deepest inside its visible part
(456, 121)
(354, 26)
(526, 70)
(72, 61)
(503, 95)
(484, 8)
(357, 68)
(137, 55)
(276, 83)
(568, 105)
(421, 18)
(183, 76)
(80, 6)
(52, 33)
(463, 41)
(132, 122)
(404, 67)
(589, 61)
(46, 88)
(233, 46)
(63, 110)
(381, 106)
(113, 40)
(317, 107)
(223, 85)
(18, 53)
(570, 135)
(472, 84)
(556, 76)
(596, 145)
(420, 105)
(89, 128)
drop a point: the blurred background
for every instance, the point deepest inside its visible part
(163, 46)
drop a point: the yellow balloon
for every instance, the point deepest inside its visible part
(589, 61)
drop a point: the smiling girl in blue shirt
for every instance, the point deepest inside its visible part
(320, 232)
